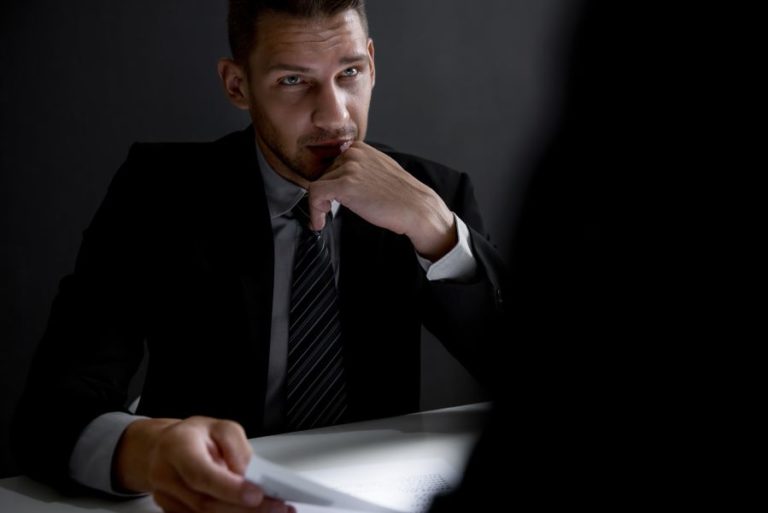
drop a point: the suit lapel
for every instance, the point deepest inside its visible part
(361, 245)
(360, 250)
(247, 246)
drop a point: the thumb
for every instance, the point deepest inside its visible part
(319, 206)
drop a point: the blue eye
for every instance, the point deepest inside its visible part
(290, 80)
(350, 72)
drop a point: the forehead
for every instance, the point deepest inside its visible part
(281, 36)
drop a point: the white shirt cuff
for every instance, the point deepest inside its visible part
(458, 264)
(91, 461)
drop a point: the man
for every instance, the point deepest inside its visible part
(200, 252)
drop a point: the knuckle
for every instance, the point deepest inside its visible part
(354, 166)
(197, 419)
(231, 426)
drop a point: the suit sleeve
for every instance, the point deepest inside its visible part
(466, 316)
(94, 340)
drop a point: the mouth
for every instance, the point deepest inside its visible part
(329, 149)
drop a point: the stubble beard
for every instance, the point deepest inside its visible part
(295, 163)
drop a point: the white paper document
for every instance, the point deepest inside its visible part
(394, 487)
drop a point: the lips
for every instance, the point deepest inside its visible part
(329, 150)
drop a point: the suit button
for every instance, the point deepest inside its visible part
(499, 297)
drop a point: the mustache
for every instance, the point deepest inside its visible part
(328, 135)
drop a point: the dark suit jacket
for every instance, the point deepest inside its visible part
(180, 257)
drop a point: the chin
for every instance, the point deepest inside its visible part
(314, 170)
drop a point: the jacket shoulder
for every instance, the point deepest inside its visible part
(184, 152)
(158, 163)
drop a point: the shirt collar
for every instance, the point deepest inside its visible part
(282, 195)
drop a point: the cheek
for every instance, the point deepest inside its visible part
(293, 113)
(286, 121)
(358, 108)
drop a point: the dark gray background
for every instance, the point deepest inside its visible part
(473, 85)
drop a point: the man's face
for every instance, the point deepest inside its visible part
(309, 88)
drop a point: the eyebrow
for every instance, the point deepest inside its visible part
(354, 59)
(279, 66)
(350, 59)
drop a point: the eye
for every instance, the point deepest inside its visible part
(350, 72)
(290, 80)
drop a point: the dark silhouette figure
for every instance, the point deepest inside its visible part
(599, 401)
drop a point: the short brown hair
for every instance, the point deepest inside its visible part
(243, 18)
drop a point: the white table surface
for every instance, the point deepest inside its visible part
(447, 434)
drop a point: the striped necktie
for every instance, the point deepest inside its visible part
(315, 382)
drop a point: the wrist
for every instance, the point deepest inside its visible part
(130, 466)
(434, 231)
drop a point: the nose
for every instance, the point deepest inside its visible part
(330, 111)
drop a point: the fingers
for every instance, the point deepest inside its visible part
(200, 472)
(333, 183)
(375, 187)
(232, 443)
(319, 207)
(198, 490)
(200, 462)
(273, 506)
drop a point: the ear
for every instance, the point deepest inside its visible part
(371, 52)
(234, 80)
